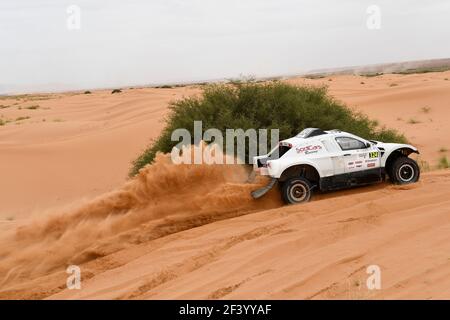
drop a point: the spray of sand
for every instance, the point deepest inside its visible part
(163, 198)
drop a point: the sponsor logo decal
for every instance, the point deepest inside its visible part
(370, 165)
(309, 149)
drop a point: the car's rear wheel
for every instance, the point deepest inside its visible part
(405, 170)
(296, 190)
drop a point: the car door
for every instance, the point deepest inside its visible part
(361, 160)
(337, 164)
(353, 154)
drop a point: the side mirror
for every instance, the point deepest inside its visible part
(368, 145)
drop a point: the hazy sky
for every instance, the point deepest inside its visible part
(136, 42)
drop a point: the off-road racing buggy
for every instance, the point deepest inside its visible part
(332, 160)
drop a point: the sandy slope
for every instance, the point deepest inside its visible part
(320, 250)
(80, 146)
(74, 145)
(136, 242)
(222, 244)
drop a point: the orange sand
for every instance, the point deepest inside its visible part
(194, 231)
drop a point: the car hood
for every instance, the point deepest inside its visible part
(388, 147)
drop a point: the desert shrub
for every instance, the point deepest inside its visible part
(423, 165)
(413, 121)
(272, 105)
(370, 75)
(443, 163)
(426, 109)
(116, 91)
(87, 92)
(314, 76)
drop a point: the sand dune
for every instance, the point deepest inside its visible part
(319, 250)
(223, 244)
(194, 231)
(74, 145)
(86, 143)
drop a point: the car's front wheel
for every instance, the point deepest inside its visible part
(296, 190)
(405, 170)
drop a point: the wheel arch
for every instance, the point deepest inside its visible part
(306, 170)
(396, 153)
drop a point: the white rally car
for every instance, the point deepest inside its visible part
(332, 160)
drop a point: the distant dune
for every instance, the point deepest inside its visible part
(396, 67)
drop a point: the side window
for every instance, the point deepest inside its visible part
(347, 143)
(329, 146)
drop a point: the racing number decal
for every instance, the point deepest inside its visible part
(373, 154)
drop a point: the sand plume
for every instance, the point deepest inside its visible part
(189, 195)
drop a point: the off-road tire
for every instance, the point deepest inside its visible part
(404, 170)
(296, 190)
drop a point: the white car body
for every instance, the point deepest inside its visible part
(338, 157)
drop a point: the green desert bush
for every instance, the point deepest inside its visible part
(443, 163)
(33, 107)
(166, 86)
(116, 91)
(314, 76)
(272, 105)
(423, 165)
(413, 121)
(22, 118)
(372, 74)
(426, 109)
